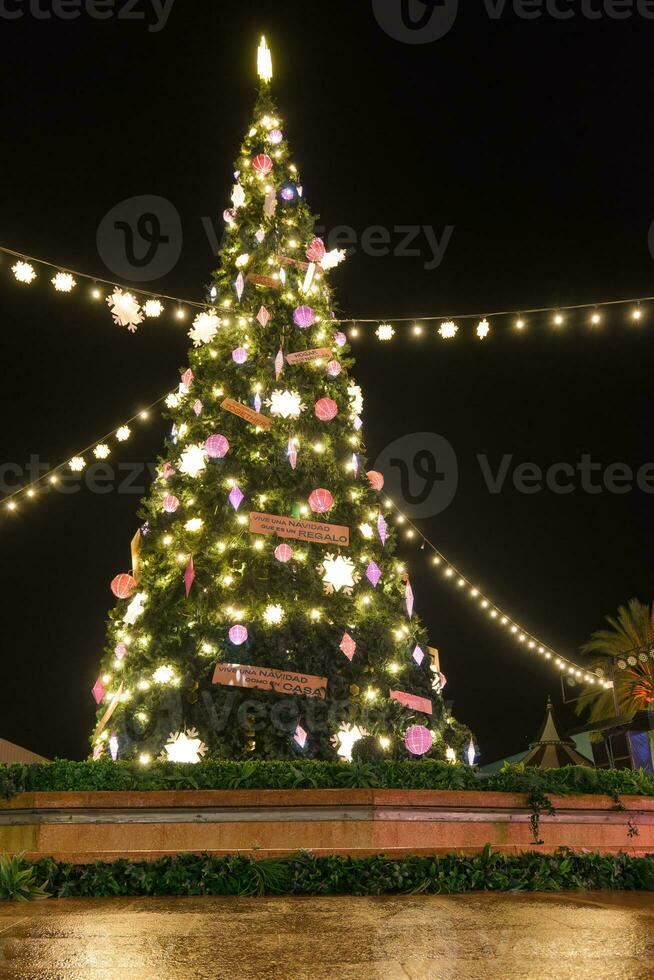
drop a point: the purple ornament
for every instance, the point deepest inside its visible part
(216, 446)
(189, 576)
(275, 136)
(340, 339)
(257, 403)
(121, 651)
(236, 497)
(238, 635)
(300, 736)
(418, 655)
(113, 746)
(239, 285)
(418, 740)
(409, 599)
(288, 192)
(356, 425)
(198, 407)
(373, 574)
(382, 528)
(240, 355)
(303, 317)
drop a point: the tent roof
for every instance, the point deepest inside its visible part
(14, 753)
(550, 751)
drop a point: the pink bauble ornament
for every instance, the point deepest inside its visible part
(240, 355)
(170, 504)
(120, 650)
(320, 501)
(187, 378)
(216, 446)
(283, 553)
(340, 339)
(123, 586)
(303, 317)
(326, 409)
(229, 216)
(376, 480)
(238, 635)
(198, 407)
(262, 164)
(334, 369)
(275, 136)
(418, 740)
(316, 250)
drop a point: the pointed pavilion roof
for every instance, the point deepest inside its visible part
(10, 753)
(550, 751)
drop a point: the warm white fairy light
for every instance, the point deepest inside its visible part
(448, 330)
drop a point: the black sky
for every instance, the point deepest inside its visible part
(532, 138)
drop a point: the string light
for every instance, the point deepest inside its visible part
(515, 630)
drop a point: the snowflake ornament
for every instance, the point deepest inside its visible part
(135, 608)
(448, 330)
(345, 738)
(356, 399)
(285, 404)
(125, 310)
(193, 461)
(331, 259)
(153, 308)
(77, 464)
(184, 747)
(63, 282)
(24, 272)
(123, 433)
(238, 196)
(204, 329)
(338, 574)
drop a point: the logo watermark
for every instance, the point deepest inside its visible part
(153, 12)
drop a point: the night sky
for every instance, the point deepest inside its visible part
(532, 138)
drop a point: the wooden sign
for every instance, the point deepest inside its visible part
(435, 660)
(135, 546)
(413, 702)
(286, 260)
(314, 532)
(269, 679)
(249, 414)
(263, 280)
(308, 355)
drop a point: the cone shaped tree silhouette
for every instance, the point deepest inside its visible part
(317, 625)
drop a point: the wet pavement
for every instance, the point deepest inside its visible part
(581, 935)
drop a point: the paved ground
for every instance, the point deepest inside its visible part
(598, 935)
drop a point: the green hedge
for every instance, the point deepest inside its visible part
(63, 775)
(304, 874)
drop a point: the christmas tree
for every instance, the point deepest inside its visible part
(266, 614)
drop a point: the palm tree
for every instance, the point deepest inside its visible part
(625, 651)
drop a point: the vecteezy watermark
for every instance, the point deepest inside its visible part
(141, 238)
(421, 473)
(426, 21)
(154, 12)
(99, 478)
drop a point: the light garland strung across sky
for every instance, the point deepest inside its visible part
(130, 306)
(451, 574)
(100, 449)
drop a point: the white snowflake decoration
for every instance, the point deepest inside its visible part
(345, 738)
(483, 329)
(273, 615)
(194, 525)
(356, 399)
(63, 282)
(123, 433)
(448, 330)
(163, 675)
(172, 400)
(101, 451)
(238, 196)
(77, 464)
(153, 308)
(24, 272)
(193, 461)
(285, 404)
(331, 259)
(339, 574)
(242, 261)
(135, 608)
(385, 332)
(204, 329)
(125, 310)
(185, 747)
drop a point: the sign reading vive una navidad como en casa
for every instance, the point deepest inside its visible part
(269, 679)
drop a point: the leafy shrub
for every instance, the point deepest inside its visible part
(18, 880)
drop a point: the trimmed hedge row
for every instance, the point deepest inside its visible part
(304, 874)
(62, 775)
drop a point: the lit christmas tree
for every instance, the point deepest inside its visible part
(266, 615)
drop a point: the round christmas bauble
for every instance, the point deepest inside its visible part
(240, 355)
(229, 216)
(340, 339)
(316, 250)
(275, 136)
(418, 740)
(303, 317)
(326, 409)
(120, 650)
(287, 192)
(334, 369)
(170, 504)
(283, 553)
(123, 586)
(238, 635)
(216, 446)
(262, 164)
(376, 480)
(320, 501)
